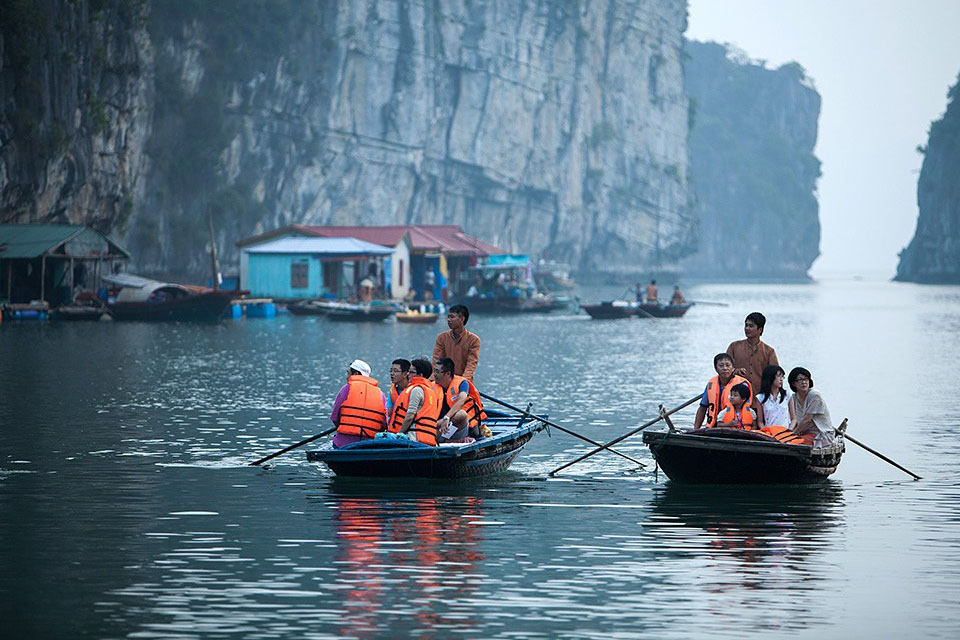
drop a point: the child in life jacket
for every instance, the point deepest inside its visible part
(738, 416)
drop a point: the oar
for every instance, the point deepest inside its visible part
(556, 426)
(842, 429)
(601, 447)
(709, 304)
(293, 446)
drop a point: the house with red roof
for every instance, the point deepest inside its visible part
(427, 260)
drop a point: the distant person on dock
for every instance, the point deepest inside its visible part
(360, 410)
(462, 408)
(716, 396)
(418, 406)
(750, 355)
(458, 344)
(652, 292)
(811, 416)
(677, 299)
(399, 379)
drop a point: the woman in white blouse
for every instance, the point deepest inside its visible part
(773, 408)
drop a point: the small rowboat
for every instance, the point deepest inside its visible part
(361, 312)
(610, 310)
(404, 458)
(656, 310)
(736, 456)
(415, 317)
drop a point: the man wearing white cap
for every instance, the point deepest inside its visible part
(360, 410)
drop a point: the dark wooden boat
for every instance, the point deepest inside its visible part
(149, 300)
(403, 458)
(74, 312)
(361, 312)
(610, 311)
(309, 308)
(735, 456)
(647, 309)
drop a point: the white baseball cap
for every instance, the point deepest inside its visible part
(361, 366)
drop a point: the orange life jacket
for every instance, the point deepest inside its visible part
(783, 434)
(424, 426)
(719, 399)
(473, 405)
(734, 419)
(363, 412)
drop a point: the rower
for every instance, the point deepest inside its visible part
(716, 396)
(360, 410)
(462, 412)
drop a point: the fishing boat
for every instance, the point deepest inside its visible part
(658, 310)
(404, 458)
(611, 310)
(150, 300)
(309, 308)
(372, 312)
(412, 316)
(736, 456)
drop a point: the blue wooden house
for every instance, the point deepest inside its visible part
(309, 268)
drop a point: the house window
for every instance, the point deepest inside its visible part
(300, 274)
(401, 273)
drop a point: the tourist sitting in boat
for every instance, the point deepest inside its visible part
(462, 412)
(773, 408)
(677, 298)
(399, 379)
(418, 406)
(811, 418)
(716, 396)
(738, 415)
(360, 410)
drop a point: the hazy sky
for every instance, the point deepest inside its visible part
(882, 68)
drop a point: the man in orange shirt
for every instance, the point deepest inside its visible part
(458, 344)
(750, 355)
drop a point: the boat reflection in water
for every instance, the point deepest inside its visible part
(406, 561)
(771, 541)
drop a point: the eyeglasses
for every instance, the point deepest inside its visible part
(801, 379)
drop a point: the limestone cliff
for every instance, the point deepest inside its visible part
(553, 127)
(933, 256)
(752, 166)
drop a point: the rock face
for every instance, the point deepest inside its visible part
(933, 256)
(554, 128)
(75, 81)
(752, 166)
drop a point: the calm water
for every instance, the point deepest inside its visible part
(127, 508)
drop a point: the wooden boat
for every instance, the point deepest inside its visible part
(415, 317)
(610, 310)
(149, 300)
(74, 312)
(403, 458)
(736, 456)
(657, 310)
(345, 312)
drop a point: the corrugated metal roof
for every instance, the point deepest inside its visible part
(442, 238)
(322, 246)
(34, 240)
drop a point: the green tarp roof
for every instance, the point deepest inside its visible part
(33, 240)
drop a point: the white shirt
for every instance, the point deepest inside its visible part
(774, 412)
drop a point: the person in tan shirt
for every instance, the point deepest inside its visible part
(751, 356)
(458, 344)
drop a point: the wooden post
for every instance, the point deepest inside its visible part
(9, 279)
(43, 276)
(214, 263)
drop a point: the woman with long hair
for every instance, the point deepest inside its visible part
(773, 409)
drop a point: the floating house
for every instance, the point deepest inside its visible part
(51, 262)
(424, 258)
(309, 268)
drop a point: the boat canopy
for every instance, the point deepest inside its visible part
(138, 289)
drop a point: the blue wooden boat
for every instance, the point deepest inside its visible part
(404, 458)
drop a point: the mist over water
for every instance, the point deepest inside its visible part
(127, 508)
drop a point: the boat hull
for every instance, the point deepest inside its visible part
(384, 458)
(417, 318)
(210, 306)
(735, 456)
(662, 310)
(608, 311)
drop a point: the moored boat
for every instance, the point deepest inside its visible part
(345, 312)
(404, 458)
(150, 300)
(720, 455)
(415, 317)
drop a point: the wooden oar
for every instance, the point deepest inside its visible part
(663, 414)
(293, 446)
(709, 304)
(842, 429)
(556, 426)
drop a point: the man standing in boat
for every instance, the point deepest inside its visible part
(750, 355)
(360, 410)
(716, 397)
(458, 344)
(652, 292)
